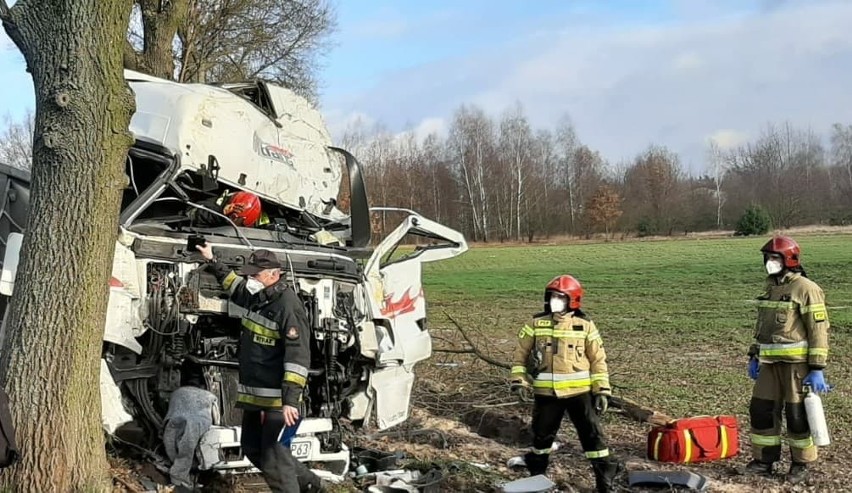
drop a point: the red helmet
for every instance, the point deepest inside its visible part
(568, 286)
(786, 247)
(243, 208)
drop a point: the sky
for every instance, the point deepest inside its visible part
(627, 73)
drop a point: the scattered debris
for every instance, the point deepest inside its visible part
(668, 479)
(534, 484)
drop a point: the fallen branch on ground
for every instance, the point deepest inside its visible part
(457, 393)
(473, 347)
(639, 412)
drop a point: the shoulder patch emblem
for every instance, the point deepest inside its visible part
(819, 316)
(543, 323)
(579, 327)
(292, 333)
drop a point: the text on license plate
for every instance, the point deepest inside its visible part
(301, 450)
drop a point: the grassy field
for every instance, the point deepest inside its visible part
(676, 315)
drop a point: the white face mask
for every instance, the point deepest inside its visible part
(773, 267)
(254, 286)
(558, 305)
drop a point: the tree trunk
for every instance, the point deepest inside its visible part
(160, 22)
(52, 345)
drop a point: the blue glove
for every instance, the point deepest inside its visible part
(753, 368)
(816, 381)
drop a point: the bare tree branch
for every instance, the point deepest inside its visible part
(473, 347)
(16, 141)
(4, 11)
(454, 351)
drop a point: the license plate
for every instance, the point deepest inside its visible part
(301, 450)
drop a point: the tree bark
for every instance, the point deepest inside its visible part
(160, 21)
(52, 345)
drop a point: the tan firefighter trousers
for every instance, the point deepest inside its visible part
(779, 387)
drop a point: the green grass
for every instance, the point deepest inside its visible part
(676, 315)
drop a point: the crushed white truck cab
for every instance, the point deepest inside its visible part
(166, 312)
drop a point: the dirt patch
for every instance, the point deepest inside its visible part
(465, 423)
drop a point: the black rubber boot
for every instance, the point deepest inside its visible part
(605, 472)
(536, 463)
(758, 467)
(798, 473)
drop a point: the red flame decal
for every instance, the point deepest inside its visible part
(404, 305)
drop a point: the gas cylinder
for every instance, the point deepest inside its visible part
(816, 418)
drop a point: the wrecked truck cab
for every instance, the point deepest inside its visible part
(168, 318)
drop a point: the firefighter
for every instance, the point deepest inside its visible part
(243, 208)
(561, 356)
(274, 357)
(790, 352)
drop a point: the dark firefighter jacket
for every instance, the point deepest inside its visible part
(792, 322)
(275, 349)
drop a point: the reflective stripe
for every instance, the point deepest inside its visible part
(297, 369)
(574, 384)
(765, 440)
(600, 377)
(817, 352)
(235, 310)
(264, 219)
(791, 349)
(775, 305)
(597, 454)
(594, 336)
(561, 333)
(260, 401)
(259, 329)
(561, 377)
(802, 443)
(816, 307)
(236, 284)
(258, 391)
(657, 446)
(687, 456)
(295, 378)
(561, 381)
(229, 280)
(525, 331)
(569, 334)
(519, 370)
(260, 319)
(724, 431)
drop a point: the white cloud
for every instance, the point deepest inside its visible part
(728, 139)
(429, 126)
(340, 124)
(626, 87)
